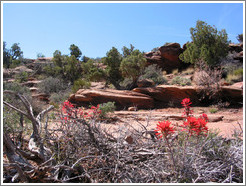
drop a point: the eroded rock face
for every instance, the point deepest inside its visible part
(122, 98)
(152, 97)
(165, 95)
(167, 57)
(170, 94)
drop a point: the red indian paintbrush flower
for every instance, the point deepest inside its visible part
(164, 128)
(186, 104)
(196, 126)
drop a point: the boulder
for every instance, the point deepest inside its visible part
(164, 94)
(122, 98)
(167, 57)
(232, 94)
(171, 52)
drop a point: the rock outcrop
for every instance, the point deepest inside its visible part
(152, 97)
(167, 57)
(170, 94)
(122, 98)
(166, 94)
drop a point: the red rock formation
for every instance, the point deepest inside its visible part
(166, 94)
(167, 57)
(122, 98)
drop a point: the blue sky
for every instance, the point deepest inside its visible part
(96, 27)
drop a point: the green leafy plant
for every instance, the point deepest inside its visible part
(107, 108)
(21, 77)
(51, 85)
(154, 73)
(80, 84)
(213, 110)
(207, 44)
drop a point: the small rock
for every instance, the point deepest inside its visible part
(132, 109)
(129, 139)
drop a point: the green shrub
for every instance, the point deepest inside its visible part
(16, 87)
(207, 44)
(51, 85)
(107, 108)
(180, 81)
(80, 84)
(154, 73)
(235, 76)
(21, 77)
(238, 72)
(213, 110)
(57, 98)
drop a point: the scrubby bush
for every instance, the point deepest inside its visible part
(91, 71)
(21, 77)
(180, 81)
(51, 85)
(80, 146)
(209, 82)
(107, 108)
(207, 44)
(235, 76)
(80, 84)
(57, 98)
(154, 73)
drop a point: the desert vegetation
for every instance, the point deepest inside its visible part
(49, 137)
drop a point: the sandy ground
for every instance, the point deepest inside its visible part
(232, 119)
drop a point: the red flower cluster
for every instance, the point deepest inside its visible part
(164, 128)
(69, 112)
(186, 104)
(196, 126)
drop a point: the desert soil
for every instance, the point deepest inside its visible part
(232, 119)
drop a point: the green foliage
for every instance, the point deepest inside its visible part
(91, 71)
(213, 110)
(74, 50)
(11, 55)
(12, 118)
(133, 65)
(21, 77)
(80, 84)
(51, 85)
(16, 52)
(15, 63)
(16, 87)
(57, 98)
(180, 81)
(40, 55)
(67, 67)
(240, 38)
(113, 60)
(238, 72)
(154, 73)
(207, 44)
(106, 108)
(127, 51)
(235, 76)
(72, 68)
